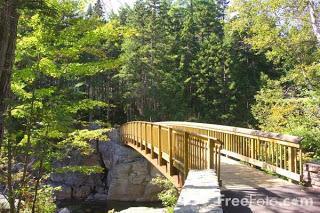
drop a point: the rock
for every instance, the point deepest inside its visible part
(154, 172)
(132, 182)
(64, 210)
(101, 189)
(151, 192)
(100, 197)
(144, 210)
(313, 167)
(64, 194)
(17, 167)
(81, 192)
(90, 197)
(128, 176)
(4, 204)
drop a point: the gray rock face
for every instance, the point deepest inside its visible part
(4, 204)
(128, 176)
(76, 185)
(205, 185)
(131, 182)
(64, 210)
(144, 210)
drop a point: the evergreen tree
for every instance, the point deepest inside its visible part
(98, 9)
(90, 10)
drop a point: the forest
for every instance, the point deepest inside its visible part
(68, 67)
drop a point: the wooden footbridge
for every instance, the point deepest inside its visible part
(173, 151)
(176, 147)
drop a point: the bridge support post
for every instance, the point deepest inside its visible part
(152, 143)
(141, 136)
(210, 153)
(218, 166)
(291, 160)
(252, 148)
(185, 155)
(136, 133)
(145, 138)
(159, 146)
(170, 151)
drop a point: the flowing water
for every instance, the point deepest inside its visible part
(78, 206)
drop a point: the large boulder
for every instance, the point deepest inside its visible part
(76, 185)
(64, 210)
(144, 210)
(128, 175)
(4, 204)
(65, 193)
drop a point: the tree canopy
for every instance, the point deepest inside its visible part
(68, 65)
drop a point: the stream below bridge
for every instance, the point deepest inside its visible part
(78, 206)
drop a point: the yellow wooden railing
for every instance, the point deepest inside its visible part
(173, 151)
(274, 152)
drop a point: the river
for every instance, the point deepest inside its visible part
(78, 206)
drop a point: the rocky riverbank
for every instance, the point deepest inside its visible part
(127, 175)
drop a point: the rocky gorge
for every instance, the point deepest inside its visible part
(127, 175)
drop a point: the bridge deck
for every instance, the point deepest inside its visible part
(242, 181)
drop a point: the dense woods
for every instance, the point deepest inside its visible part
(251, 63)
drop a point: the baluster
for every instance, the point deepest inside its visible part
(159, 146)
(146, 137)
(185, 154)
(170, 151)
(152, 142)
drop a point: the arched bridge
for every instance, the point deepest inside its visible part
(177, 147)
(172, 150)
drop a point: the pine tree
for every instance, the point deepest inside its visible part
(98, 9)
(90, 10)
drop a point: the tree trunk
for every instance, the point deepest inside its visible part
(314, 20)
(27, 149)
(8, 34)
(36, 187)
(11, 195)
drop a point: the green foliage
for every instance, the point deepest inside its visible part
(79, 140)
(45, 202)
(295, 114)
(169, 194)
(288, 101)
(59, 58)
(87, 170)
(254, 64)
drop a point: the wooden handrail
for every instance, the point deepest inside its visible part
(239, 130)
(175, 149)
(278, 153)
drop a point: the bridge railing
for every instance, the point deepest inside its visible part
(275, 152)
(177, 149)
